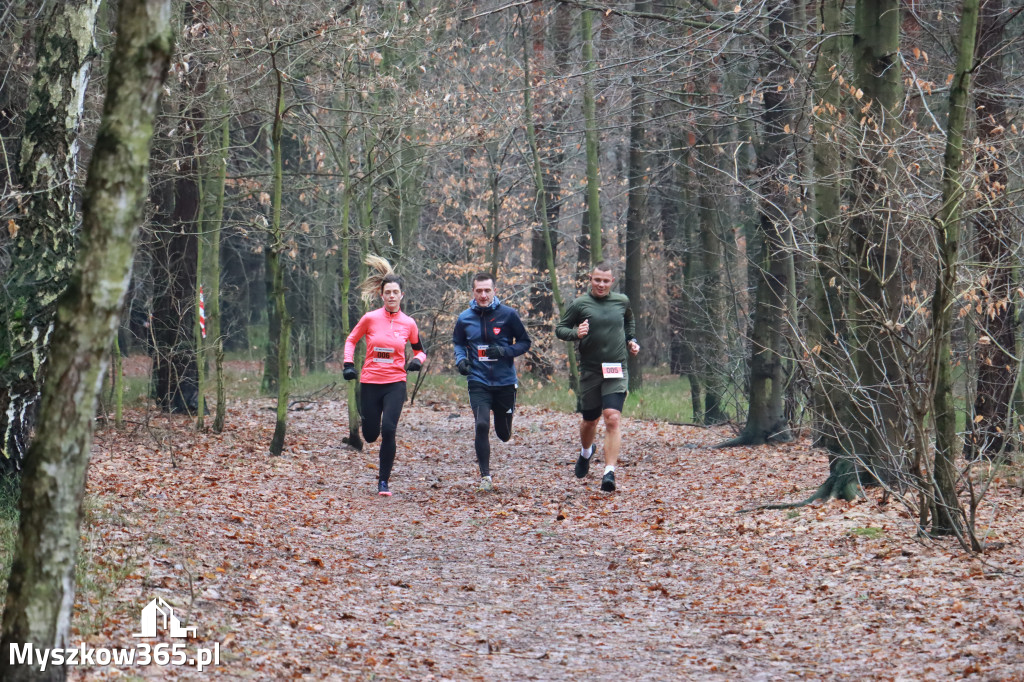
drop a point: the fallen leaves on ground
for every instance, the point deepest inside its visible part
(298, 569)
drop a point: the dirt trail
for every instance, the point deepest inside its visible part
(299, 570)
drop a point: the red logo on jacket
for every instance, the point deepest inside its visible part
(497, 330)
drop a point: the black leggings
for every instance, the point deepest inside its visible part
(381, 407)
(485, 399)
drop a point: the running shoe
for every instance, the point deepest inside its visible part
(382, 488)
(486, 485)
(608, 482)
(583, 464)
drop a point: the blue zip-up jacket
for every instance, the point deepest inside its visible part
(478, 328)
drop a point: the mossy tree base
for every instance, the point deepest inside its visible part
(353, 440)
(755, 435)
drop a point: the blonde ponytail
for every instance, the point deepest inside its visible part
(382, 273)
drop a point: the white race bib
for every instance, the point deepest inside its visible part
(383, 355)
(611, 370)
(481, 354)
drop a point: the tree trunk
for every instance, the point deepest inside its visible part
(42, 240)
(824, 324)
(997, 363)
(175, 257)
(636, 214)
(580, 279)
(947, 514)
(409, 202)
(175, 370)
(688, 326)
(682, 267)
(766, 416)
(41, 587)
(549, 144)
(304, 299)
(275, 275)
(268, 385)
(322, 282)
(590, 125)
(493, 228)
(541, 207)
(213, 222)
(239, 268)
(14, 94)
(541, 311)
(199, 329)
(117, 384)
(826, 341)
(713, 365)
(875, 428)
(353, 439)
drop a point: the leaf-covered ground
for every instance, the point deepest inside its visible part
(299, 570)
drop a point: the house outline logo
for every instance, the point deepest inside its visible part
(158, 614)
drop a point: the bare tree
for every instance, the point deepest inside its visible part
(766, 416)
(988, 422)
(41, 587)
(43, 238)
(947, 513)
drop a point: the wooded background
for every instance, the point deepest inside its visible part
(816, 205)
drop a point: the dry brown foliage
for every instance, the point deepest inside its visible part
(297, 568)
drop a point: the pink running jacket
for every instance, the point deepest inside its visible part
(386, 335)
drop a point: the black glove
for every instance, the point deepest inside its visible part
(349, 372)
(494, 351)
(463, 367)
(414, 365)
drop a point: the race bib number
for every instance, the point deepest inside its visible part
(611, 370)
(481, 354)
(383, 355)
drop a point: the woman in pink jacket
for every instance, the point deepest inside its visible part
(382, 385)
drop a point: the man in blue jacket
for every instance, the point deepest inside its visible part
(487, 336)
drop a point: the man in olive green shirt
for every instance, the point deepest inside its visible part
(602, 322)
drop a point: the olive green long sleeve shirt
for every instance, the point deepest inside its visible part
(611, 326)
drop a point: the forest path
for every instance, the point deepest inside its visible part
(299, 570)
